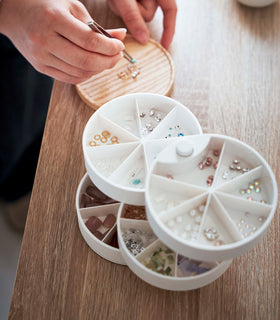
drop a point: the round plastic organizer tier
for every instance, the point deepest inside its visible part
(97, 216)
(153, 261)
(122, 139)
(210, 197)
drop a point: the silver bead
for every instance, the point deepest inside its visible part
(158, 117)
(152, 113)
(235, 161)
(148, 125)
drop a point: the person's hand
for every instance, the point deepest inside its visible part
(54, 37)
(135, 12)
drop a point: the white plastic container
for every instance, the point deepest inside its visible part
(216, 219)
(205, 209)
(101, 247)
(138, 126)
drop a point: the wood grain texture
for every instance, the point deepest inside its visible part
(226, 59)
(156, 75)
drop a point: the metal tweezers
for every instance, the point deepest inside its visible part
(97, 28)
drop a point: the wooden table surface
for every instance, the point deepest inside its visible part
(227, 72)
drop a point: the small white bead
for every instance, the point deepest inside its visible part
(171, 223)
(201, 208)
(188, 227)
(179, 219)
(193, 212)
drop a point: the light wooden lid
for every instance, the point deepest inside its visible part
(156, 75)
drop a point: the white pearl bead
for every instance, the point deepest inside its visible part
(171, 223)
(179, 219)
(201, 208)
(193, 212)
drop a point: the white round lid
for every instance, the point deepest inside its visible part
(124, 136)
(210, 197)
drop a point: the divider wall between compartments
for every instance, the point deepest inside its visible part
(124, 114)
(171, 192)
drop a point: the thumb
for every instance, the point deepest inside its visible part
(130, 13)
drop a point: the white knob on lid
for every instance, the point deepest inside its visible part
(184, 148)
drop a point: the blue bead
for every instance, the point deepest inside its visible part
(180, 135)
(136, 181)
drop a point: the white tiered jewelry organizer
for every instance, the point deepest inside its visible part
(208, 197)
(199, 273)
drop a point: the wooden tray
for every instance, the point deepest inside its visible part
(156, 75)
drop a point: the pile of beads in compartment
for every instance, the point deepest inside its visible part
(246, 229)
(252, 186)
(135, 212)
(103, 138)
(236, 169)
(137, 240)
(209, 162)
(161, 261)
(175, 131)
(189, 229)
(154, 118)
(188, 267)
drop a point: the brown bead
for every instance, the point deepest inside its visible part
(202, 165)
(109, 221)
(98, 235)
(215, 165)
(209, 181)
(216, 153)
(209, 161)
(93, 223)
